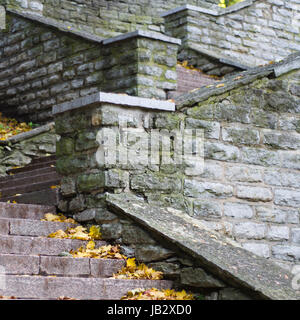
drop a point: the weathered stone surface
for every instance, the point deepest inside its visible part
(250, 230)
(111, 231)
(150, 181)
(254, 193)
(238, 210)
(287, 197)
(243, 174)
(278, 233)
(209, 209)
(286, 252)
(149, 253)
(241, 135)
(169, 269)
(199, 278)
(191, 236)
(90, 182)
(194, 188)
(232, 294)
(259, 249)
(134, 235)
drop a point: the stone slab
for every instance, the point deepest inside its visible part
(35, 228)
(29, 134)
(4, 226)
(43, 197)
(142, 33)
(115, 99)
(39, 245)
(217, 254)
(24, 211)
(105, 267)
(64, 266)
(287, 67)
(20, 264)
(74, 287)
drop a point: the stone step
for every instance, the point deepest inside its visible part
(74, 287)
(33, 173)
(40, 245)
(33, 166)
(42, 185)
(41, 197)
(59, 266)
(30, 178)
(32, 228)
(24, 211)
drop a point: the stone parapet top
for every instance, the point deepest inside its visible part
(142, 33)
(291, 63)
(49, 22)
(210, 9)
(221, 58)
(28, 134)
(114, 98)
(218, 254)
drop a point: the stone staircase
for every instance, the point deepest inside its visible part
(35, 268)
(32, 184)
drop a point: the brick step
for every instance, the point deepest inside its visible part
(25, 211)
(33, 166)
(188, 80)
(75, 287)
(59, 266)
(30, 178)
(12, 191)
(32, 228)
(26, 174)
(10, 244)
(42, 197)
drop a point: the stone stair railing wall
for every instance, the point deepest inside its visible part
(249, 189)
(44, 63)
(248, 33)
(21, 149)
(78, 10)
(103, 18)
(251, 33)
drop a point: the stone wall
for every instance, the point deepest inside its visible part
(255, 33)
(85, 180)
(249, 189)
(250, 186)
(104, 18)
(41, 66)
(20, 149)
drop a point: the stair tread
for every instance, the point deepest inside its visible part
(30, 227)
(31, 173)
(40, 245)
(20, 264)
(21, 211)
(30, 187)
(42, 197)
(75, 287)
(31, 167)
